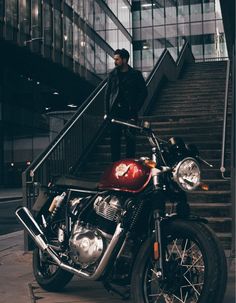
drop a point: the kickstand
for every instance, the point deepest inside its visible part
(124, 295)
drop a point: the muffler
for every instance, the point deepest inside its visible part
(34, 230)
(26, 218)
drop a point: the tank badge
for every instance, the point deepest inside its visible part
(121, 170)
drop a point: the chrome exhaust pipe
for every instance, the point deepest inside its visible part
(34, 230)
(25, 217)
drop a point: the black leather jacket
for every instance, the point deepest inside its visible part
(134, 92)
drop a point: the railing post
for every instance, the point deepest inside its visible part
(233, 155)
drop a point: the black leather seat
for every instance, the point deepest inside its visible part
(72, 181)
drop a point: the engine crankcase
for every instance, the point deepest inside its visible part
(86, 245)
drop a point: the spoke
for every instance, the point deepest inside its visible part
(195, 284)
(193, 265)
(186, 296)
(185, 246)
(192, 285)
(179, 299)
(172, 249)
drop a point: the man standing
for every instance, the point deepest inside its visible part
(125, 94)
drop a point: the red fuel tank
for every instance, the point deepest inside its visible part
(126, 175)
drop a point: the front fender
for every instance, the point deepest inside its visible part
(191, 217)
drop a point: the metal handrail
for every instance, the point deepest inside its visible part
(226, 103)
(61, 136)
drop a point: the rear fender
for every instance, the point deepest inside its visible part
(42, 199)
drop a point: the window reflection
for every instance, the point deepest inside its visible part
(90, 54)
(11, 12)
(89, 11)
(68, 37)
(57, 30)
(99, 21)
(124, 15)
(100, 61)
(47, 23)
(24, 16)
(36, 19)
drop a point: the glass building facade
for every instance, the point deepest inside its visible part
(164, 24)
(79, 36)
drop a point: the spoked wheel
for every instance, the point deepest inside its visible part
(48, 274)
(194, 267)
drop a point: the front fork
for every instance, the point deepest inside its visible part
(157, 247)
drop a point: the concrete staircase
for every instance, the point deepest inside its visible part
(191, 107)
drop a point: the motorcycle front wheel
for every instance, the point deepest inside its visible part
(195, 269)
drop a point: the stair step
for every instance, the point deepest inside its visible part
(192, 108)
(219, 224)
(225, 239)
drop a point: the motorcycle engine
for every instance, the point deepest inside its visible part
(86, 245)
(87, 242)
(108, 207)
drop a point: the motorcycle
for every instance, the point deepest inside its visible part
(134, 231)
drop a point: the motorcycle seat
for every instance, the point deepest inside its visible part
(74, 182)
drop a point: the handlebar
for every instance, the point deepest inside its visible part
(142, 128)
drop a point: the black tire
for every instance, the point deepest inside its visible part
(49, 276)
(195, 267)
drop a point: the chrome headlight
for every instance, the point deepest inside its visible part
(187, 174)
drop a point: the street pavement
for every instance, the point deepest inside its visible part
(17, 284)
(10, 199)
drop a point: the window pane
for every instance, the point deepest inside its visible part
(90, 53)
(68, 37)
(146, 13)
(146, 33)
(196, 12)
(183, 12)
(147, 55)
(112, 4)
(11, 12)
(100, 61)
(24, 16)
(57, 30)
(89, 11)
(110, 63)
(112, 38)
(99, 22)
(208, 10)
(171, 14)
(124, 15)
(158, 16)
(36, 19)
(196, 28)
(76, 46)
(47, 20)
(79, 7)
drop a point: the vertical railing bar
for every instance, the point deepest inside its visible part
(222, 167)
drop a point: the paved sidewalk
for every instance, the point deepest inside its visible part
(17, 284)
(10, 193)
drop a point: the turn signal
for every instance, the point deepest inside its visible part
(204, 186)
(156, 250)
(150, 163)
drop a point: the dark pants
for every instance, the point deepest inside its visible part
(130, 137)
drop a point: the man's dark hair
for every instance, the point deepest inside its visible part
(123, 53)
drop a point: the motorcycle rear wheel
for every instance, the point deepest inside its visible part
(195, 269)
(48, 275)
